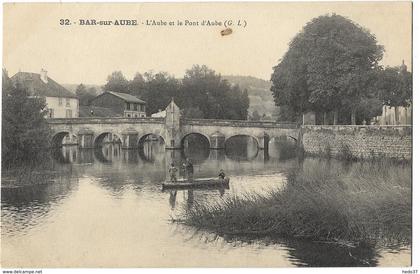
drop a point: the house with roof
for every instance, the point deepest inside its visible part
(61, 103)
(121, 104)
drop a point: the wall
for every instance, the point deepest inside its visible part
(109, 101)
(60, 109)
(362, 141)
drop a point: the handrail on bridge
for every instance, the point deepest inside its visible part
(240, 122)
(104, 119)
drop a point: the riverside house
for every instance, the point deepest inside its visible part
(122, 104)
(61, 103)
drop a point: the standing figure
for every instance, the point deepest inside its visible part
(190, 170)
(222, 174)
(172, 172)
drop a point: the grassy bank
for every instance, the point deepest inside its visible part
(323, 200)
(42, 172)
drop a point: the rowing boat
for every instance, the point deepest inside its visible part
(197, 183)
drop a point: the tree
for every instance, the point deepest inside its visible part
(25, 132)
(216, 98)
(255, 116)
(137, 86)
(158, 91)
(117, 82)
(395, 87)
(84, 95)
(329, 66)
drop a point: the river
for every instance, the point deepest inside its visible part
(106, 208)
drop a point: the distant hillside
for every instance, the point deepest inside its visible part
(260, 96)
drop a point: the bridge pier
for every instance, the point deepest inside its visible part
(85, 139)
(263, 142)
(130, 140)
(217, 141)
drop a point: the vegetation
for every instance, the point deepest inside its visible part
(202, 93)
(260, 96)
(322, 200)
(331, 65)
(395, 87)
(85, 95)
(25, 132)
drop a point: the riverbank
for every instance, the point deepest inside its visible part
(30, 175)
(358, 203)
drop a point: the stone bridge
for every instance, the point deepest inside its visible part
(173, 129)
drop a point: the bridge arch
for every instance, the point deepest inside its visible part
(202, 136)
(151, 137)
(57, 139)
(283, 147)
(115, 137)
(239, 146)
(147, 146)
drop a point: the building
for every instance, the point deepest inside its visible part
(122, 104)
(159, 114)
(61, 103)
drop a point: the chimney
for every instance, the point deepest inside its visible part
(43, 75)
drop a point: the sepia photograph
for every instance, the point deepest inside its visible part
(207, 134)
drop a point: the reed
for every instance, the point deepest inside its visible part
(366, 202)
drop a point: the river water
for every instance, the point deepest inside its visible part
(106, 208)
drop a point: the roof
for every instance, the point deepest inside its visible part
(126, 97)
(36, 86)
(86, 111)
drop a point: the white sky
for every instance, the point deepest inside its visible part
(33, 38)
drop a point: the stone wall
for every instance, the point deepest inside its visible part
(363, 142)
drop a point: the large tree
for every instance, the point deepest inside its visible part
(216, 98)
(159, 88)
(137, 85)
(25, 132)
(117, 82)
(329, 66)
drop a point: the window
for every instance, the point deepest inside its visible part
(51, 113)
(60, 101)
(127, 106)
(128, 115)
(68, 113)
(67, 102)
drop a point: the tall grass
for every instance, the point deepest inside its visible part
(323, 200)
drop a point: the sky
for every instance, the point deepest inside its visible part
(33, 37)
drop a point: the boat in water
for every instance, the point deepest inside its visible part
(197, 183)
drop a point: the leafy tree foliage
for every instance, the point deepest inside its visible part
(158, 91)
(137, 86)
(330, 65)
(117, 82)
(85, 95)
(395, 87)
(25, 132)
(200, 94)
(202, 88)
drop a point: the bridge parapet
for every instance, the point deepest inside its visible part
(106, 120)
(240, 123)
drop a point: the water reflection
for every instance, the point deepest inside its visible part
(117, 193)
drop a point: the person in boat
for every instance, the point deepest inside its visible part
(172, 172)
(222, 174)
(190, 170)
